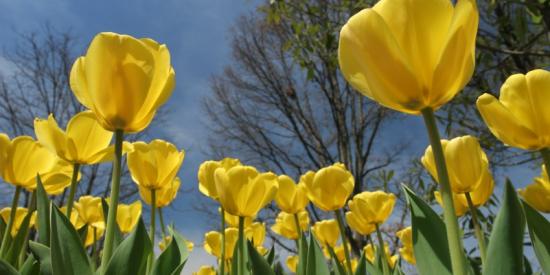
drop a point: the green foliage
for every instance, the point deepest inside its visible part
(539, 229)
(130, 257)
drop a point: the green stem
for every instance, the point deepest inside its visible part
(161, 219)
(152, 230)
(546, 159)
(344, 242)
(23, 253)
(72, 191)
(477, 229)
(222, 231)
(382, 251)
(458, 260)
(7, 232)
(94, 247)
(298, 230)
(111, 216)
(241, 264)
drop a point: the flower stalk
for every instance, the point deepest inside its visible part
(72, 191)
(152, 230)
(241, 263)
(382, 252)
(4, 246)
(222, 231)
(162, 224)
(111, 216)
(477, 229)
(344, 242)
(458, 260)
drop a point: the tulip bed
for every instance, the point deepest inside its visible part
(407, 61)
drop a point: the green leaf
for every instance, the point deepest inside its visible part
(43, 208)
(316, 264)
(30, 267)
(181, 242)
(302, 256)
(130, 257)
(270, 257)
(429, 237)
(7, 269)
(43, 255)
(539, 231)
(170, 261)
(258, 262)
(67, 253)
(118, 235)
(505, 251)
(340, 269)
(19, 240)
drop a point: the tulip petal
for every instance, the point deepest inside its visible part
(420, 27)
(79, 84)
(4, 148)
(505, 125)
(380, 69)
(88, 136)
(52, 137)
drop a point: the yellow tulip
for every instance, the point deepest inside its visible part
(405, 236)
(408, 55)
(213, 241)
(154, 165)
(164, 196)
(57, 179)
(233, 221)
(370, 254)
(255, 233)
(467, 164)
(207, 185)
(330, 187)
(127, 216)
(123, 80)
(519, 118)
(291, 197)
(358, 224)
(22, 159)
(480, 195)
(205, 270)
(285, 224)
(167, 239)
(243, 191)
(326, 232)
(20, 214)
(537, 194)
(84, 142)
(94, 223)
(370, 208)
(292, 262)
(90, 211)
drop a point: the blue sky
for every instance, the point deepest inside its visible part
(197, 34)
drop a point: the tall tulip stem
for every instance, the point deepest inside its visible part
(72, 191)
(477, 229)
(344, 242)
(458, 260)
(162, 224)
(546, 159)
(222, 231)
(382, 252)
(4, 246)
(298, 230)
(153, 228)
(241, 264)
(111, 216)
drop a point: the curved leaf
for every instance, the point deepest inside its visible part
(130, 257)
(169, 261)
(258, 262)
(7, 269)
(43, 255)
(316, 264)
(539, 231)
(429, 237)
(43, 209)
(505, 251)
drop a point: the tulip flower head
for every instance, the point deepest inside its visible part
(330, 187)
(84, 141)
(406, 252)
(370, 254)
(370, 208)
(537, 194)
(213, 242)
(467, 164)
(285, 224)
(291, 197)
(154, 165)
(233, 221)
(123, 80)
(205, 270)
(520, 117)
(128, 216)
(207, 185)
(243, 191)
(164, 196)
(292, 263)
(326, 232)
(20, 214)
(90, 213)
(410, 55)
